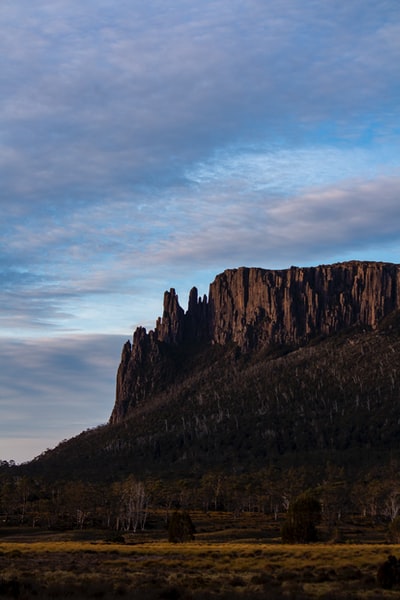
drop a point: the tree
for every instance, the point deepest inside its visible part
(212, 490)
(79, 500)
(394, 531)
(334, 496)
(180, 527)
(133, 504)
(302, 518)
(391, 504)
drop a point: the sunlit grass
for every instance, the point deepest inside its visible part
(318, 554)
(233, 568)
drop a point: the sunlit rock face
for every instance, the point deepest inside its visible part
(255, 308)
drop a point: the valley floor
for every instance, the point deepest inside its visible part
(43, 565)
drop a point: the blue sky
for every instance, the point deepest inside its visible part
(149, 145)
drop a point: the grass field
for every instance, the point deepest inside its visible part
(198, 570)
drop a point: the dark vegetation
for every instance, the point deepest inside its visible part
(180, 527)
(389, 573)
(336, 510)
(303, 516)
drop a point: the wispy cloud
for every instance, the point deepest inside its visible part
(312, 226)
(110, 97)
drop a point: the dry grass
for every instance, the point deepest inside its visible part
(194, 571)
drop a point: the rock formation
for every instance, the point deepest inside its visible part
(255, 308)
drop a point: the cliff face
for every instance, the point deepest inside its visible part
(255, 308)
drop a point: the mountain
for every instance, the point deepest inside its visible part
(272, 368)
(255, 309)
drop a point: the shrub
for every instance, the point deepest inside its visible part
(180, 528)
(302, 518)
(10, 588)
(388, 573)
(171, 593)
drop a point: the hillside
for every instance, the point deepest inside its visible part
(274, 368)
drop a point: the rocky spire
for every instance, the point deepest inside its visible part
(170, 327)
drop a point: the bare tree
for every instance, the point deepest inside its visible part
(133, 505)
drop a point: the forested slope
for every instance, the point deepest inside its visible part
(337, 399)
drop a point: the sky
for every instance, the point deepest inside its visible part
(151, 145)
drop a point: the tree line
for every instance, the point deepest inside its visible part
(125, 506)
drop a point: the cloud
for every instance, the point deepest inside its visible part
(100, 100)
(146, 145)
(317, 224)
(350, 216)
(54, 388)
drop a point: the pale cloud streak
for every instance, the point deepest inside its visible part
(311, 227)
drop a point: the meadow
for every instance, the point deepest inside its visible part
(82, 565)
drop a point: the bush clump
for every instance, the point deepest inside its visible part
(302, 519)
(388, 573)
(180, 528)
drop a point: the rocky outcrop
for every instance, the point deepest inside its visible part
(255, 308)
(176, 326)
(148, 365)
(170, 328)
